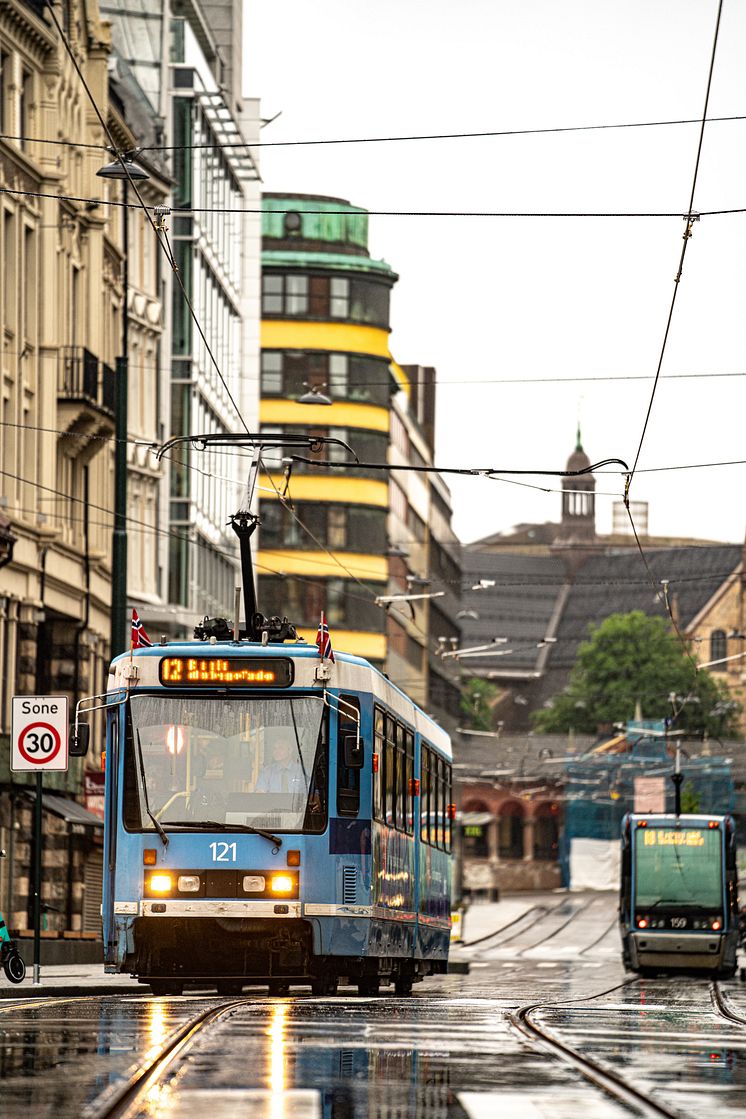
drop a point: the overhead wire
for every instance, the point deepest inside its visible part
(474, 135)
(184, 210)
(690, 217)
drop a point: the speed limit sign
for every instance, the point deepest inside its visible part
(39, 734)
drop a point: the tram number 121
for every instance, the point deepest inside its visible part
(223, 852)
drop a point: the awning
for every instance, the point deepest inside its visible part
(476, 819)
(70, 811)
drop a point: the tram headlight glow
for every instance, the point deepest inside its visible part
(642, 922)
(281, 884)
(716, 925)
(160, 883)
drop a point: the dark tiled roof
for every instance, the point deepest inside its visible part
(528, 588)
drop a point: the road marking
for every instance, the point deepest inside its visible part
(259, 1103)
(515, 1105)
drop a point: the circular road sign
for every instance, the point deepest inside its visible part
(39, 743)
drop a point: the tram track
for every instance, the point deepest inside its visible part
(597, 1073)
(722, 1007)
(122, 1099)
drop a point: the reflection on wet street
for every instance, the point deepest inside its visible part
(447, 1051)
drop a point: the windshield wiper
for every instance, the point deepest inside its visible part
(203, 825)
(161, 832)
(675, 901)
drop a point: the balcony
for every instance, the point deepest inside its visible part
(84, 380)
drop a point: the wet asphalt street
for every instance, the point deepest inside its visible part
(449, 1050)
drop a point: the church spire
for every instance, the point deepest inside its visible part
(578, 442)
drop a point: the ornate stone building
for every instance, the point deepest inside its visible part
(61, 322)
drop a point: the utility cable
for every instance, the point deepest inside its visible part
(690, 218)
(372, 139)
(186, 210)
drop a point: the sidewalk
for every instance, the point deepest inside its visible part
(69, 979)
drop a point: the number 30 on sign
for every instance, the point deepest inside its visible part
(39, 734)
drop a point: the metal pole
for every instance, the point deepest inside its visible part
(37, 878)
(119, 642)
(677, 779)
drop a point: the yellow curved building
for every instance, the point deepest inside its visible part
(325, 329)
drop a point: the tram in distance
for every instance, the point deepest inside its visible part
(678, 906)
(271, 819)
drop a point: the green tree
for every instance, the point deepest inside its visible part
(631, 658)
(690, 798)
(477, 698)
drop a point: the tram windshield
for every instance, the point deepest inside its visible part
(681, 866)
(240, 762)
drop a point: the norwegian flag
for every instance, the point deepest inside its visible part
(139, 638)
(324, 641)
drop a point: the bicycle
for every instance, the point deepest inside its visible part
(11, 959)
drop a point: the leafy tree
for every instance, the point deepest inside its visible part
(690, 798)
(631, 658)
(477, 698)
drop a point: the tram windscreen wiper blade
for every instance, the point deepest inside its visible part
(204, 825)
(161, 832)
(676, 902)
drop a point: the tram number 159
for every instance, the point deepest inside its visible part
(678, 922)
(223, 852)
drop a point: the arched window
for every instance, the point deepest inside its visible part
(717, 649)
(510, 830)
(546, 832)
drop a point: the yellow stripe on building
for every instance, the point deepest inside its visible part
(329, 487)
(336, 337)
(340, 414)
(372, 646)
(293, 561)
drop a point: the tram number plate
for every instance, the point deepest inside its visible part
(223, 852)
(678, 922)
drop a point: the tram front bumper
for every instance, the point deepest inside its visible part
(676, 950)
(209, 907)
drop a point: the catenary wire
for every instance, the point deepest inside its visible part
(496, 133)
(183, 210)
(690, 218)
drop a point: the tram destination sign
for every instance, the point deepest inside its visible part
(222, 672)
(39, 730)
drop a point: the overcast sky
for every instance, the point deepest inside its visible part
(485, 299)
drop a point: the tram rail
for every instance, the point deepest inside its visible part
(597, 1073)
(721, 1005)
(123, 1099)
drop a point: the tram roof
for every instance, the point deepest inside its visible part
(349, 673)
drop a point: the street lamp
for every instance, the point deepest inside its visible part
(314, 396)
(116, 170)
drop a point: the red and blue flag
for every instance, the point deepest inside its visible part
(324, 641)
(140, 639)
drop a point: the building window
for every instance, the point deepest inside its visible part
(546, 833)
(25, 104)
(4, 73)
(510, 831)
(718, 649)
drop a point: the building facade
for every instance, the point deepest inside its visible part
(190, 71)
(325, 326)
(61, 315)
(335, 539)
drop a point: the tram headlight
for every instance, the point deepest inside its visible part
(642, 922)
(282, 884)
(160, 883)
(716, 925)
(188, 883)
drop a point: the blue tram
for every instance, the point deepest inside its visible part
(678, 906)
(272, 819)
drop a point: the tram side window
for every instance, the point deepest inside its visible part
(379, 747)
(425, 801)
(401, 780)
(409, 799)
(390, 774)
(448, 828)
(348, 780)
